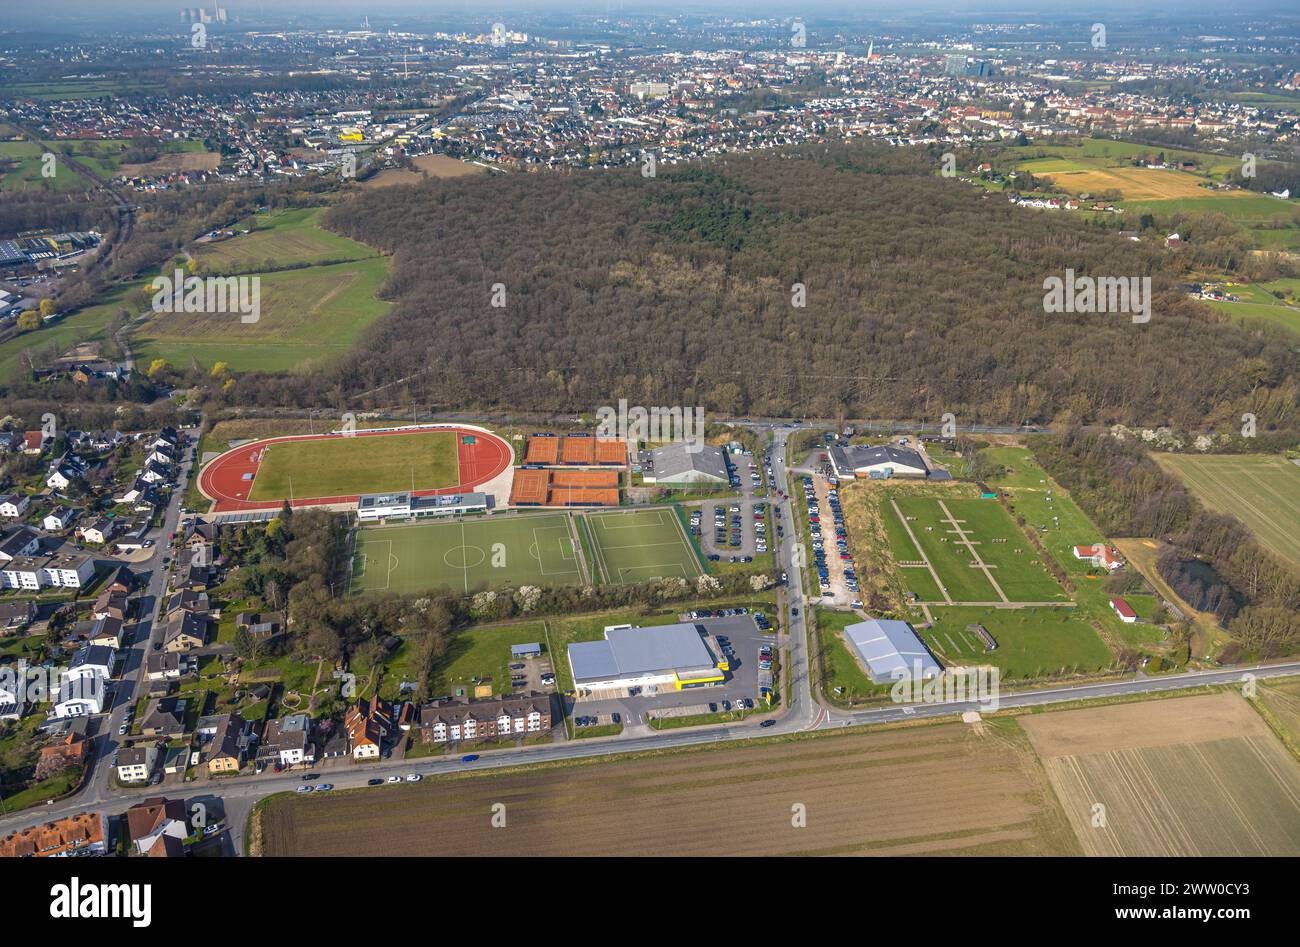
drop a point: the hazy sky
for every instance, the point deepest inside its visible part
(355, 9)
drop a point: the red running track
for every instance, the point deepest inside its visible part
(228, 479)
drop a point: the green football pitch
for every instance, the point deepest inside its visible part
(350, 466)
(633, 546)
(466, 555)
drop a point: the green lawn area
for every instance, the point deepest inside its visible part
(482, 655)
(1032, 642)
(1235, 205)
(634, 546)
(307, 316)
(277, 240)
(467, 554)
(348, 466)
(37, 793)
(21, 165)
(843, 677)
(64, 89)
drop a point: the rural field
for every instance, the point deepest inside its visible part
(307, 315)
(426, 166)
(467, 555)
(317, 293)
(1095, 166)
(21, 166)
(1183, 777)
(1138, 184)
(1261, 490)
(947, 789)
(287, 238)
(632, 546)
(350, 466)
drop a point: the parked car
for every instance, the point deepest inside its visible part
(374, 782)
(324, 787)
(413, 777)
(394, 779)
(306, 788)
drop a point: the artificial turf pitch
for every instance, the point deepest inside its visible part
(634, 546)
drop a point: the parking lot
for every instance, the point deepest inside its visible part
(745, 638)
(735, 530)
(532, 674)
(835, 569)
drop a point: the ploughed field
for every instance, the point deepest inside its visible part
(1189, 776)
(938, 789)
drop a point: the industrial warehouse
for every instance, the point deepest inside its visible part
(632, 661)
(890, 650)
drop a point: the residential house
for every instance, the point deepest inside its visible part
(25, 572)
(85, 833)
(452, 720)
(161, 454)
(95, 660)
(187, 600)
(59, 518)
(287, 742)
(99, 531)
(79, 696)
(34, 442)
(164, 717)
(14, 505)
(368, 723)
(168, 665)
(63, 473)
(1099, 555)
(15, 616)
(229, 746)
(119, 580)
(260, 626)
(110, 603)
(155, 473)
(70, 570)
(185, 631)
(135, 764)
(23, 541)
(72, 747)
(155, 817)
(106, 632)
